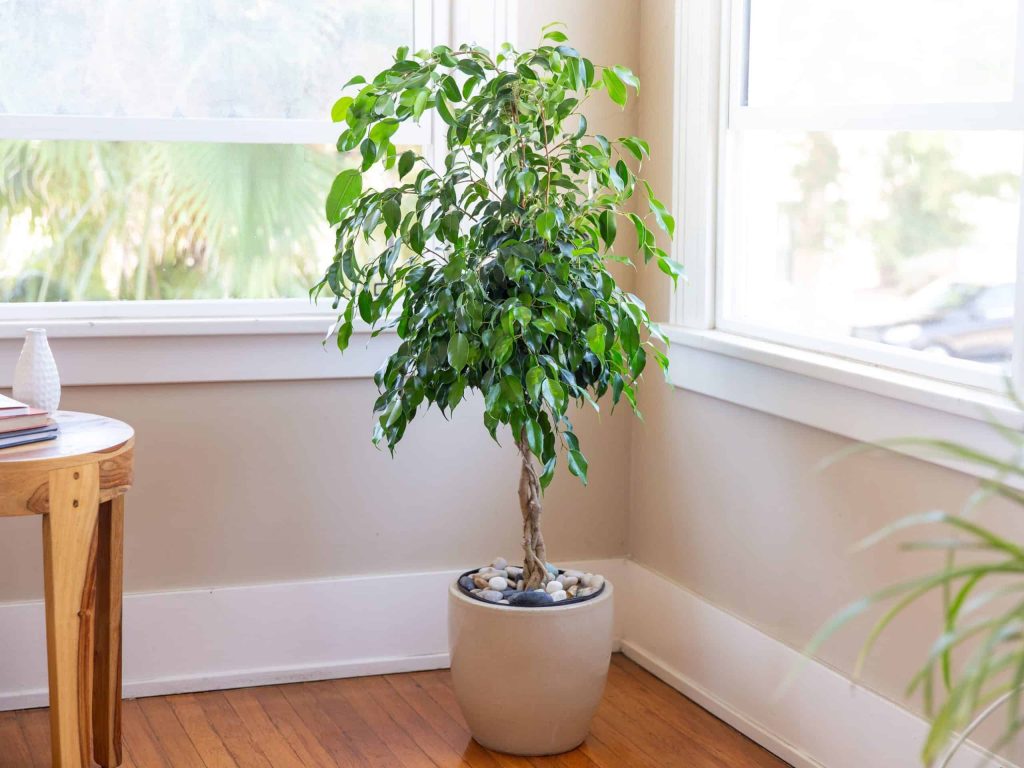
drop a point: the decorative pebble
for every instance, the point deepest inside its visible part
(502, 583)
(530, 598)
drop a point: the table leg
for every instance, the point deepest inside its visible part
(106, 699)
(69, 555)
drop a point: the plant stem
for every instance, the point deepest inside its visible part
(535, 572)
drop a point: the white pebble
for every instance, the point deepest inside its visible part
(577, 574)
(569, 581)
(492, 595)
(586, 578)
(554, 586)
(520, 584)
(499, 563)
(538, 590)
(584, 591)
(597, 582)
(514, 571)
(504, 602)
(498, 584)
(559, 596)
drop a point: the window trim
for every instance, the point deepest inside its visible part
(863, 397)
(433, 23)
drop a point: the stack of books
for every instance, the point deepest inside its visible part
(21, 425)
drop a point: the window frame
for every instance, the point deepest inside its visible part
(833, 387)
(434, 22)
(704, 303)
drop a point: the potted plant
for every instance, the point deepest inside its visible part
(492, 267)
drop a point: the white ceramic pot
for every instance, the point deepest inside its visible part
(36, 381)
(529, 680)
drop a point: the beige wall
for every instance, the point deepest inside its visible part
(728, 502)
(256, 482)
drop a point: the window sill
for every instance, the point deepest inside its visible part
(197, 349)
(846, 397)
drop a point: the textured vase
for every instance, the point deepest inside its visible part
(36, 381)
(529, 680)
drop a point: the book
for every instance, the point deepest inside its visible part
(7, 441)
(7, 403)
(18, 419)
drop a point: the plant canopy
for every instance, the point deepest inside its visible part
(493, 267)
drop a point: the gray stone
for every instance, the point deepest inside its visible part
(527, 599)
(466, 582)
(491, 595)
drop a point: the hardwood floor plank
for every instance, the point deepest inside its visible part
(392, 721)
(294, 729)
(15, 752)
(359, 697)
(139, 740)
(232, 732)
(35, 729)
(335, 740)
(177, 746)
(195, 723)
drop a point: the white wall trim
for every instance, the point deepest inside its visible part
(232, 637)
(265, 634)
(735, 671)
(846, 397)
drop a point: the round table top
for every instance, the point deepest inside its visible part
(80, 435)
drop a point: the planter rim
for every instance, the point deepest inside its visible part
(556, 609)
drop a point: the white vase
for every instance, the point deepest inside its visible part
(36, 381)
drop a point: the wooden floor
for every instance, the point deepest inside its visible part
(405, 721)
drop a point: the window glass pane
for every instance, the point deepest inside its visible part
(84, 220)
(904, 239)
(191, 58)
(881, 51)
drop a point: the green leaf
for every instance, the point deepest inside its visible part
(596, 339)
(392, 214)
(456, 393)
(578, 465)
(558, 37)
(346, 188)
(535, 437)
(616, 88)
(627, 77)
(554, 394)
(458, 351)
(546, 224)
(366, 306)
(340, 109)
(534, 381)
(444, 110)
(608, 227)
(406, 162)
(383, 131)
(670, 267)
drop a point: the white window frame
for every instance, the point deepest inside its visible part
(174, 341)
(848, 387)
(432, 25)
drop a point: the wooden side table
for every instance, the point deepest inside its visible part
(77, 484)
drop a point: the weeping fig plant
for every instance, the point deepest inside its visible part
(492, 263)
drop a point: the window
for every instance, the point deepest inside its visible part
(154, 152)
(869, 194)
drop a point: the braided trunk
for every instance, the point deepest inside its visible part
(535, 572)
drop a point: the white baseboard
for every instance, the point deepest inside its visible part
(735, 671)
(201, 640)
(198, 640)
